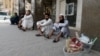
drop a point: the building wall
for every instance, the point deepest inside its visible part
(38, 13)
(1, 5)
(8, 5)
(11, 6)
(91, 20)
(62, 6)
(33, 6)
(79, 14)
(16, 6)
(53, 13)
(57, 9)
(27, 5)
(21, 8)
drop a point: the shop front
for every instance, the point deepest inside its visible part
(72, 9)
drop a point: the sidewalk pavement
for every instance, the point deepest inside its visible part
(14, 42)
(5, 21)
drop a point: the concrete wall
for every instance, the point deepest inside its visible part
(16, 6)
(79, 14)
(62, 6)
(8, 6)
(57, 9)
(21, 8)
(38, 13)
(91, 20)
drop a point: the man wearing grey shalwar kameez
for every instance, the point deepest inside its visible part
(60, 28)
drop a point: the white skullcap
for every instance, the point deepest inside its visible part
(61, 14)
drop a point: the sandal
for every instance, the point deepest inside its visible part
(55, 41)
(46, 36)
(38, 35)
(23, 30)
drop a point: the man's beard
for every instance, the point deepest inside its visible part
(62, 21)
(46, 18)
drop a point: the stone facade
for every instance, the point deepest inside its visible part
(87, 15)
(42, 7)
(91, 20)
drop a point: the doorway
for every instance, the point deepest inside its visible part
(71, 12)
(50, 8)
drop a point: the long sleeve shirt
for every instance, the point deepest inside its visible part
(45, 22)
(29, 17)
(63, 24)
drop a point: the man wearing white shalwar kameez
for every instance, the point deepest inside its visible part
(44, 26)
(27, 21)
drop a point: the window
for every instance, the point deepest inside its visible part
(3, 13)
(70, 9)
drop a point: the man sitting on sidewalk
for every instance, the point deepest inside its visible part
(60, 28)
(44, 26)
(14, 19)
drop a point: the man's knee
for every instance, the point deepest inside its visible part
(37, 23)
(62, 29)
(60, 33)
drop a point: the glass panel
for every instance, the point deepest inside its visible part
(3, 13)
(70, 9)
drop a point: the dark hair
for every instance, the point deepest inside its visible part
(62, 16)
(15, 13)
(62, 21)
(29, 11)
(47, 14)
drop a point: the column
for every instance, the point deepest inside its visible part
(57, 9)
(33, 6)
(38, 11)
(79, 14)
(21, 7)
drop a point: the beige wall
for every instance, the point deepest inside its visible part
(62, 6)
(16, 6)
(79, 14)
(57, 9)
(91, 20)
(8, 5)
(27, 5)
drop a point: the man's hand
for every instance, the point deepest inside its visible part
(39, 26)
(57, 22)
